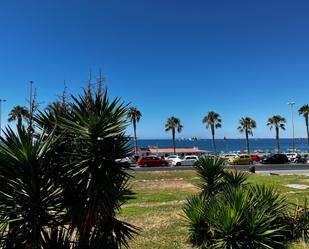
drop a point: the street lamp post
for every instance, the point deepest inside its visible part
(1, 101)
(291, 104)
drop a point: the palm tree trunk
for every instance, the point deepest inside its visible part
(174, 145)
(213, 138)
(277, 138)
(135, 138)
(247, 141)
(307, 129)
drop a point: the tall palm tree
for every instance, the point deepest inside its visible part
(246, 126)
(18, 113)
(278, 122)
(213, 120)
(174, 125)
(134, 116)
(304, 110)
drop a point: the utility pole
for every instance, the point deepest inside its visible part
(291, 104)
(1, 101)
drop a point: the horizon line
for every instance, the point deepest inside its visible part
(188, 139)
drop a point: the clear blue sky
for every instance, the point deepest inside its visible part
(171, 57)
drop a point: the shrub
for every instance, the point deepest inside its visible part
(230, 213)
(63, 187)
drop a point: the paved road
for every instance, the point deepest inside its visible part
(302, 169)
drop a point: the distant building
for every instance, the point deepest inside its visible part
(164, 152)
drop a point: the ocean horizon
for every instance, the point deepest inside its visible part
(229, 145)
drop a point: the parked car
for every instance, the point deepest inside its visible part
(127, 161)
(255, 157)
(306, 158)
(171, 157)
(240, 159)
(230, 155)
(292, 156)
(187, 160)
(300, 159)
(145, 161)
(275, 159)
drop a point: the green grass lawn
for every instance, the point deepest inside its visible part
(157, 208)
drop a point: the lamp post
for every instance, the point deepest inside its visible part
(291, 104)
(1, 101)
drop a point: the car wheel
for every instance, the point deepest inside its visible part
(178, 164)
(145, 165)
(165, 164)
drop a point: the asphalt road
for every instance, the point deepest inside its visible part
(282, 168)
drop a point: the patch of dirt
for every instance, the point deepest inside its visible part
(306, 180)
(166, 184)
(155, 204)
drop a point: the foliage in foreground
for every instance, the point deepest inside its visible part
(230, 213)
(63, 187)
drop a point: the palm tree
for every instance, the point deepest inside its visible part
(173, 124)
(246, 126)
(213, 121)
(134, 116)
(18, 113)
(278, 122)
(304, 110)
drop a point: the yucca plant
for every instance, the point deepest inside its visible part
(63, 187)
(240, 221)
(298, 222)
(195, 215)
(97, 185)
(210, 171)
(30, 201)
(235, 178)
(229, 213)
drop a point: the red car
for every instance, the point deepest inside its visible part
(255, 158)
(151, 161)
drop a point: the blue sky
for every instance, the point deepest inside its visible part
(181, 58)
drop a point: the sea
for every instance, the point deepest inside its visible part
(230, 145)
